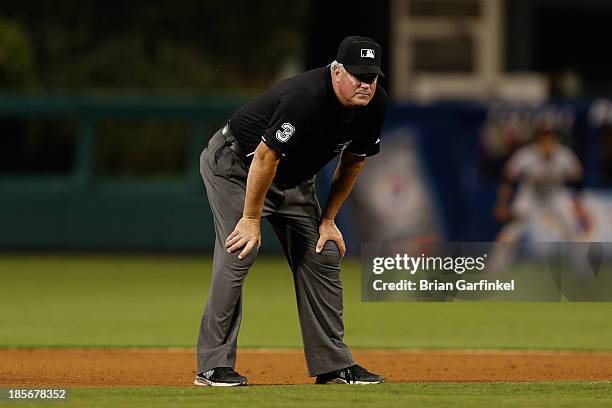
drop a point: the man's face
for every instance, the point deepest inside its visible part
(354, 90)
(547, 144)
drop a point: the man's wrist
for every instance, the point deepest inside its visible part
(251, 217)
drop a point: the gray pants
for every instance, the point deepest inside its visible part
(294, 215)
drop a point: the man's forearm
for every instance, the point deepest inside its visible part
(504, 193)
(261, 174)
(345, 176)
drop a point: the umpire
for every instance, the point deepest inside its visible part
(262, 164)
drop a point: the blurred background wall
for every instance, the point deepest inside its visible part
(105, 107)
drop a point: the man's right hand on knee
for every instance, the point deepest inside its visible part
(246, 235)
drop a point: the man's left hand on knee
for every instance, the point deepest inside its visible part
(328, 231)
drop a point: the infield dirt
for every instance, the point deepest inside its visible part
(176, 367)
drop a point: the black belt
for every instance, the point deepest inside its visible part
(229, 142)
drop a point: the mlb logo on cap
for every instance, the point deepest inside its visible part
(367, 53)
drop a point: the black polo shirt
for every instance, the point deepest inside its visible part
(302, 120)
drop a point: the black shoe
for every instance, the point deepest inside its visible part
(220, 377)
(350, 375)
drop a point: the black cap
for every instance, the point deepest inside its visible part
(360, 55)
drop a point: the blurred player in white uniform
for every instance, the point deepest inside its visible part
(541, 169)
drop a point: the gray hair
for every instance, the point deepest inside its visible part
(335, 64)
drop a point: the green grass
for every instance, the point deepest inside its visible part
(63, 301)
(455, 395)
(84, 301)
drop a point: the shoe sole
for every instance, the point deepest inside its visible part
(341, 381)
(203, 382)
